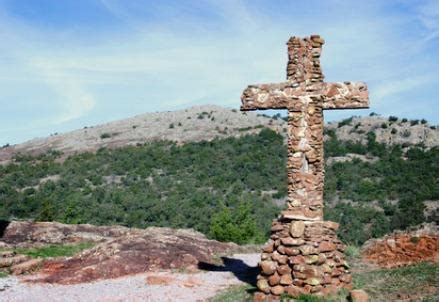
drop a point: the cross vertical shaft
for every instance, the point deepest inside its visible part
(305, 136)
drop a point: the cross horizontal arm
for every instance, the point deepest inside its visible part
(347, 95)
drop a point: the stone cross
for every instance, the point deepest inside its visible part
(305, 96)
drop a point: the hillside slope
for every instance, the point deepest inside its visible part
(208, 122)
(189, 125)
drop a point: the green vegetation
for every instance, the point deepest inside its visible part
(3, 274)
(411, 283)
(219, 187)
(236, 293)
(159, 184)
(65, 250)
(415, 283)
(345, 122)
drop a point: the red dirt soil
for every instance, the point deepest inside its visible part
(404, 248)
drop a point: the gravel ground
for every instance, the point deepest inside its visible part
(178, 286)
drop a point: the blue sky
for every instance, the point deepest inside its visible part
(66, 64)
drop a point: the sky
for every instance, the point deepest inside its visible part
(67, 64)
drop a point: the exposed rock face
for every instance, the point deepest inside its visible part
(122, 251)
(29, 233)
(300, 238)
(404, 248)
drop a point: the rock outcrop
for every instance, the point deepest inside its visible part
(404, 247)
(120, 251)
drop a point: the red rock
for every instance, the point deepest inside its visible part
(259, 297)
(284, 269)
(291, 241)
(268, 267)
(359, 295)
(159, 280)
(274, 279)
(286, 279)
(326, 246)
(281, 259)
(281, 249)
(277, 290)
(297, 259)
(347, 278)
(293, 291)
(291, 251)
(268, 248)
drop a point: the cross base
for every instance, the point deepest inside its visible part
(302, 257)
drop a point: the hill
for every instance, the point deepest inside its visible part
(208, 122)
(189, 125)
(226, 185)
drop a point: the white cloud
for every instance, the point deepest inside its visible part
(398, 86)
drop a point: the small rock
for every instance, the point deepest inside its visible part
(292, 241)
(26, 266)
(326, 246)
(286, 279)
(274, 279)
(297, 229)
(268, 267)
(159, 280)
(359, 295)
(263, 286)
(277, 290)
(293, 291)
(312, 281)
(308, 250)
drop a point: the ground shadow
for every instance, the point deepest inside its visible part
(239, 268)
(3, 225)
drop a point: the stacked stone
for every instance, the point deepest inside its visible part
(303, 257)
(304, 254)
(304, 59)
(305, 162)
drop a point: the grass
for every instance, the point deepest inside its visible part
(55, 250)
(3, 274)
(241, 293)
(411, 283)
(415, 283)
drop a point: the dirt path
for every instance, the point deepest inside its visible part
(152, 286)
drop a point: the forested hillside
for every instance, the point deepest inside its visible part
(228, 188)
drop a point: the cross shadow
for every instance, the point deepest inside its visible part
(3, 225)
(239, 268)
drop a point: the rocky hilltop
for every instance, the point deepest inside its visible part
(208, 122)
(192, 124)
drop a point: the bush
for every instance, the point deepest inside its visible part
(404, 120)
(406, 133)
(384, 125)
(414, 122)
(105, 135)
(394, 131)
(393, 119)
(423, 121)
(345, 122)
(237, 225)
(171, 126)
